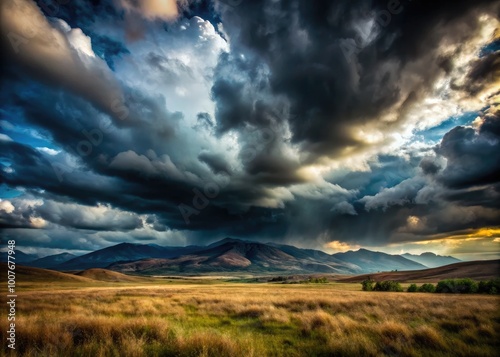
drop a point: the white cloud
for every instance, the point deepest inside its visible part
(177, 64)
(400, 194)
(6, 206)
(48, 151)
(4, 137)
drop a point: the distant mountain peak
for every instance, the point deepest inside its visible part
(125, 244)
(52, 261)
(229, 240)
(431, 260)
(428, 254)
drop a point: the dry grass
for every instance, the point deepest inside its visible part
(253, 320)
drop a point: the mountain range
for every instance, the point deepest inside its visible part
(232, 256)
(431, 260)
(21, 257)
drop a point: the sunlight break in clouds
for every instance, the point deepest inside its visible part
(337, 246)
(143, 107)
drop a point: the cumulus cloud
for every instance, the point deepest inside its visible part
(472, 156)
(259, 109)
(100, 217)
(58, 54)
(6, 206)
(401, 194)
(393, 82)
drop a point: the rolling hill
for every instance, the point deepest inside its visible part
(477, 270)
(108, 276)
(31, 274)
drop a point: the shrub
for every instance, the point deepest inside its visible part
(489, 287)
(388, 286)
(457, 286)
(427, 288)
(412, 288)
(367, 284)
(318, 280)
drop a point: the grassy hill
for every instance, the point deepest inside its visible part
(32, 275)
(107, 275)
(477, 270)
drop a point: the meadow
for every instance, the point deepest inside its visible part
(211, 318)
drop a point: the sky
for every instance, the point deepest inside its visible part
(324, 124)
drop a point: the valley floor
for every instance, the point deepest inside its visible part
(225, 319)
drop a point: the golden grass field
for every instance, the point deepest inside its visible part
(213, 318)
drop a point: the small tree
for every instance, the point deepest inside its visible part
(367, 284)
(388, 286)
(489, 287)
(457, 286)
(427, 288)
(412, 288)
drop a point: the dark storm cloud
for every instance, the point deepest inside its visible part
(446, 199)
(16, 219)
(53, 52)
(33, 170)
(217, 163)
(132, 192)
(80, 13)
(484, 72)
(448, 193)
(32, 212)
(299, 77)
(488, 196)
(241, 91)
(74, 216)
(236, 94)
(429, 166)
(304, 46)
(134, 181)
(204, 120)
(473, 158)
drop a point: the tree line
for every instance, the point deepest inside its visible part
(449, 286)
